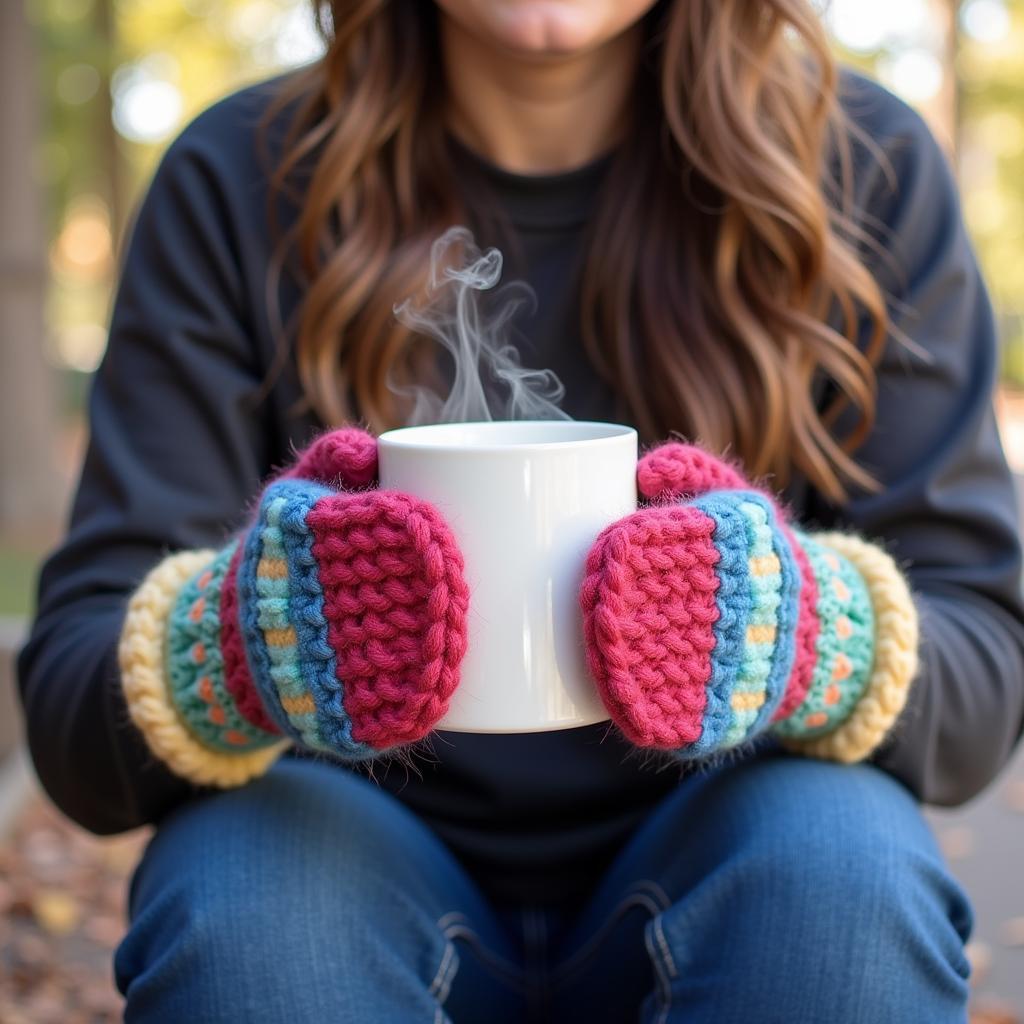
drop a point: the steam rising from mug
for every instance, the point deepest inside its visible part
(488, 381)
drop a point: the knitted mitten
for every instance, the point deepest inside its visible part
(709, 619)
(336, 620)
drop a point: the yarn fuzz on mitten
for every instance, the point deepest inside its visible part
(710, 619)
(335, 621)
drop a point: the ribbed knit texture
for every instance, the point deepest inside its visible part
(674, 471)
(805, 640)
(355, 608)
(195, 664)
(734, 603)
(845, 647)
(396, 602)
(317, 661)
(266, 618)
(895, 663)
(145, 681)
(690, 616)
(337, 620)
(773, 579)
(238, 679)
(649, 602)
(711, 620)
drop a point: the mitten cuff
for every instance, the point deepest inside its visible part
(174, 680)
(866, 651)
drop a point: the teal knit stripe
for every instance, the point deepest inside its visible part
(274, 613)
(733, 601)
(195, 666)
(764, 606)
(845, 647)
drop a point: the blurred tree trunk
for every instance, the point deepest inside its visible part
(944, 110)
(111, 162)
(30, 491)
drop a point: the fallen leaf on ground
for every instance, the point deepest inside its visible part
(58, 912)
(1014, 795)
(994, 1013)
(1013, 931)
(979, 955)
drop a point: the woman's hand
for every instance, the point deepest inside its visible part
(337, 620)
(710, 619)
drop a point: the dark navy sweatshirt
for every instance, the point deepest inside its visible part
(182, 436)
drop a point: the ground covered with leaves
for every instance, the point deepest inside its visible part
(62, 913)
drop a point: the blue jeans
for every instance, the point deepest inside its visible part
(771, 889)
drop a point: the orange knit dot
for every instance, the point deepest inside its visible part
(236, 738)
(841, 668)
(206, 689)
(204, 581)
(840, 589)
(216, 715)
(198, 653)
(831, 561)
(832, 695)
(819, 718)
(195, 613)
(844, 627)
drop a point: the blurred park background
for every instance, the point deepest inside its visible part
(91, 91)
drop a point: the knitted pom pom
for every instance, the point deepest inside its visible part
(673, 471)
(346, 458)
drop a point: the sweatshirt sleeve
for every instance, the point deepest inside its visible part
(948, 513)
(178, 446)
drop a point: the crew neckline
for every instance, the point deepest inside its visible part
(548, 201)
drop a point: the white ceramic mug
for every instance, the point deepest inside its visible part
(525, 500)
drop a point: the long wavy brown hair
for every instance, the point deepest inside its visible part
(722, 274)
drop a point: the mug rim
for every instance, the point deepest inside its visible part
(431, 437)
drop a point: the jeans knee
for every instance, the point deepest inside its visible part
(832, 869)
(306, 834)
(282, 900)
(846, 836)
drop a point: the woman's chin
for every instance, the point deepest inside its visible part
(546, 28)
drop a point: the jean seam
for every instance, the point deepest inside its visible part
(664, 988)
(442, 983)
(663, 946)
(455, 925)
(654, 901)
(450, 959)
(446, 985)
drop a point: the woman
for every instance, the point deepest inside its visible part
(726, 242)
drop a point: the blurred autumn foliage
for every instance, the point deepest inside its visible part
(95, 89)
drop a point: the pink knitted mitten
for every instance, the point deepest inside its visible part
(709, 619)
(337, 620)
